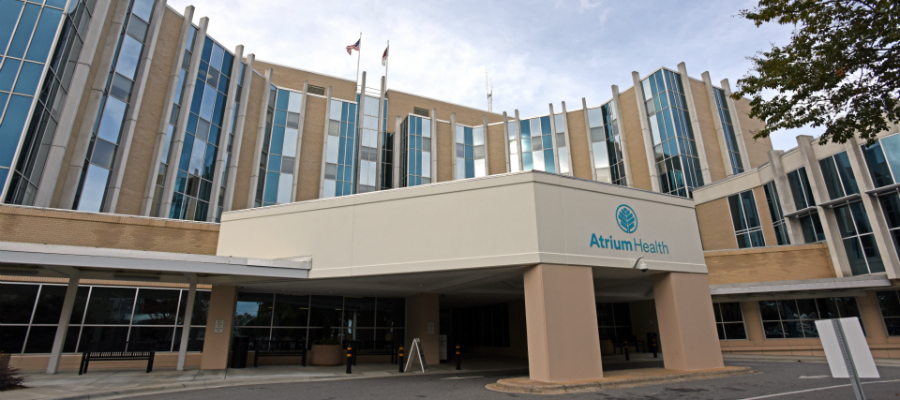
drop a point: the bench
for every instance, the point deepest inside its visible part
(372, 348)
(118, 351)
(281, 348)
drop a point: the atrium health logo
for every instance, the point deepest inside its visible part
(627, 219)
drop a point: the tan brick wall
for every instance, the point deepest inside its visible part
(402, 104)
(708, 131)
(578, 142)
(153, 105)
(291, 78)
(36, 225)
(79, 118)
(444, 154)
(768, 264)
(497, 150)
(758, 149)
(258, 94)
(765, 217)
(311, 149)
(634, 138)
(716, 228)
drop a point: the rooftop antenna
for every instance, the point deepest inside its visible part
(490, 91)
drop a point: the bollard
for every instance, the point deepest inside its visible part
(653, 343)
(458, 359)
(627, 356)
(400, 359)
(349, 359)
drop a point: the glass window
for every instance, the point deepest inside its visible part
(155, 307)
(326, 311)
(745, 217)
(803, 196)
(253, 309)
(795, 319)
(859, 241)
(730, 321)
(291, 311)
(775, 211)
(890, 310)
(17, 303)
(129, 57)
(110, 306)
(838, 174)
(359, 312)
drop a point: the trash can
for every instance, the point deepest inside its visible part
(239, 347)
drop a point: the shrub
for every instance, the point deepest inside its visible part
(9, 378)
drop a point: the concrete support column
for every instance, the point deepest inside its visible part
(506, 140)
(626, 159)
(786, 197)
(225, 136)
(60, 339)
(553, 137)
(695, 124)
(873, 209)
(233, 163)
(360, 121)
(86, 130)
(687, 324)
(67, 115)
(217, 343)
(261, 138)
(161, 132)
(434, 146)
(186, 330)
(590, 144)
(453, 148)
(299, 145)
(379, 164)
(398, 150)
(736, 123)
(565, 119)
(645, 131)
(423, 316)
(165, 205)
(753, 322)
(487, 149)
(518, 133)
(561, 318)
(324, 142)
(826, 215)
(134, 109)
(717, 121)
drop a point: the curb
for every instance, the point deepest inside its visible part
(189, 386)
(596, 386)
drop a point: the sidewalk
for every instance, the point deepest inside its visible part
(109, 384)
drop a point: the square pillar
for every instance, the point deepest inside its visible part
(423, 316)
(217, 345)
(687, 325)
(561, 317)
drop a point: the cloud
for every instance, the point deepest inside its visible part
(537, 52)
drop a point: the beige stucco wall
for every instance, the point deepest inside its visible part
(687, 325)
(716, 228)
(422, 310)
(217, 346)
(708, 131)
(634, 137)
(578, 143)
(767, 264)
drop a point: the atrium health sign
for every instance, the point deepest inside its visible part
(628, 222)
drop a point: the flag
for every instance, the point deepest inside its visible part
(352, 47)
(385, 56)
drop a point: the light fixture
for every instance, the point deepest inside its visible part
(640, 265)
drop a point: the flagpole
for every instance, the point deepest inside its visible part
(358, 54)
(387, 63)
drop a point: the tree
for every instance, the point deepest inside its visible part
(840, 71)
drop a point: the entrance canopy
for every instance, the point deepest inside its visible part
(509, 220)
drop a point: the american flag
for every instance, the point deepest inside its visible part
(352, 47)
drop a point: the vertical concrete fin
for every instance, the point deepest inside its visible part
(645, 130)
(565, 114)
(554, 139)
(736, 122)
(324, 143)
(717, 121)
(260, 139)
(626, 158)
(587, 130)
(295, 186)
(695, 123)
(453, 148)
(227, 130)
(234, 162)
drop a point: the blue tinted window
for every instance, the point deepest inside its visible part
(549, 163)
(11, 128)
(143, 9)
(44, 35)
(111, 122)
(207, 50)
(197, 153)
(9, 14)
(29, 78)
(271, 195)
(3, 173)
(209, 102)
(129, 56)
(58, 3)
(8, 75)
(215, 60)
(93, 189)
(23, 32)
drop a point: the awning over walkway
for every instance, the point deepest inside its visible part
(807, 285)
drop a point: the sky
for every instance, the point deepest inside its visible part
(536, 52)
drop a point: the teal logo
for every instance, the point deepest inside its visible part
(627, 219)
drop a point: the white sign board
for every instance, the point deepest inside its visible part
(854, 341)
(416, 347)
(220, 325)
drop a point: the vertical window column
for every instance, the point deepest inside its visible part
(243, 100)
(416, 160)
(368, 149)
(470, 152)
(559, 125)
(606, 144)
(220, 171)
(745, 217)
(514, 151)
(777, 214)
(537, 145)
(340, 150)
(282, 149)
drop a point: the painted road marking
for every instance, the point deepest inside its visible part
(815, 377)
(455, 378)
(769, 396)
